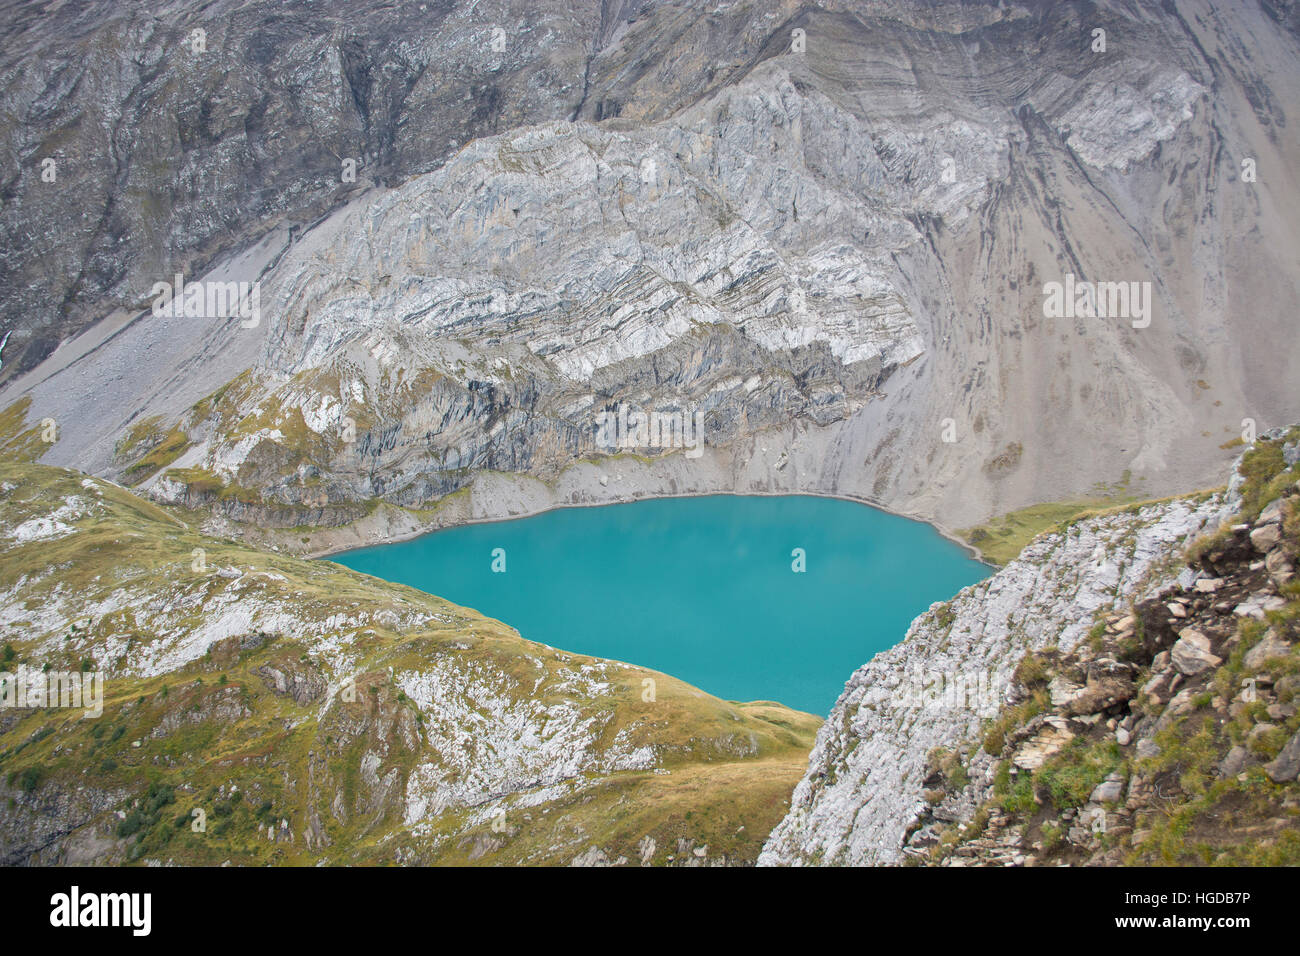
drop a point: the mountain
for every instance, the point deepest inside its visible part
(1002, 266)
(1122, 693)
(311, 714)
(837, 245)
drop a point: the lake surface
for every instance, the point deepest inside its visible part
(700, 588)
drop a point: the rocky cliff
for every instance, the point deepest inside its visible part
(827, 229)
(1096, 673)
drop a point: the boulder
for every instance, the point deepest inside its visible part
(1286, 765)
(1278, 562)
(1042, 745)
(1063, 691)
(1099, 695)
(1156, 689)
(1271, 513)
(1271, 646)
(1277, 558)
(1257, 605)
(1181, 705)
(1191, 653)
(1265, 537)
(1233, 762)
(1109, 790)
(1280, 712)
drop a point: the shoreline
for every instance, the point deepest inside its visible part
(971, 550)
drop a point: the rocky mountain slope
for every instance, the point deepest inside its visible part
(172, 149)
(828, 229)
(1130, 708)
(313, 714)
(835, 249)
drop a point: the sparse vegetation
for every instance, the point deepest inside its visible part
(217, 720)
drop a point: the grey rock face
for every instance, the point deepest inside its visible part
(35, 824)
(1191, 653)
(864, 784)
(168, 155)
(1287, 763)
(171, 147)
(844, 248)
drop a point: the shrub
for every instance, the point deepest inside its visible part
(1070, 776)
(1011, 718)
(1020, 796)
(944, 615)
(1031, 672)
(131, 824)
(158, 796)
(1052, 835)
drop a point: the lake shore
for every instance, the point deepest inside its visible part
(490, 502)
(708, 588)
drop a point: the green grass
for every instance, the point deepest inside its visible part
(1266, 474)
(1071, 775)
(165, 449)
(1001, 539)
(17, 441)
(1012, 717)
(216, 720)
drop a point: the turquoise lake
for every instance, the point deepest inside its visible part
(699, 588)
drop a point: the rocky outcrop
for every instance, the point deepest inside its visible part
(305, 686)
(181, 134)
(1096, 643)
(837, 254)
(290, 711)
(867, 774)
(1193, 761)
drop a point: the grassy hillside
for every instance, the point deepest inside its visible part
(312, 713)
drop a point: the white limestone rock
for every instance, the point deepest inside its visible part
(864, 782)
